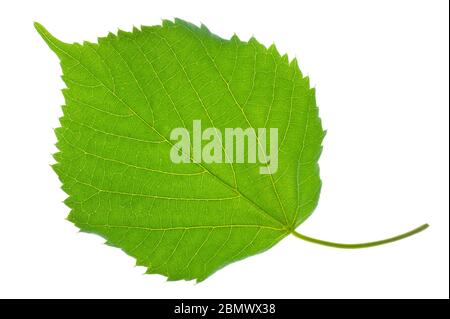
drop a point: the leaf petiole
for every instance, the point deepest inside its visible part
(361, 245)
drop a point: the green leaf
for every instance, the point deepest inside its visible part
(124, 96)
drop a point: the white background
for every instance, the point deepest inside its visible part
(381, 73)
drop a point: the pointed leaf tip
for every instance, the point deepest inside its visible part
(43, 32)
(51, 41)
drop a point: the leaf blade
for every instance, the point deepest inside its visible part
(123, 97)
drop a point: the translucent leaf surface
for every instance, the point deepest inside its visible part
(127, 92)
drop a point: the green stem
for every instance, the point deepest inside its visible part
(361, 245)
